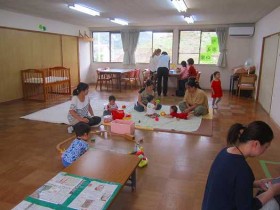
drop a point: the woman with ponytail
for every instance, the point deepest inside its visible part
(231, 180)
(80, 108)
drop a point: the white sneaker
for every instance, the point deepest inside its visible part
(70, 129)
(215, 106)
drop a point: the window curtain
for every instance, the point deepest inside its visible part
(129, 41)
(222, 34)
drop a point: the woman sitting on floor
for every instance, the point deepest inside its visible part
(143, 94)
(80, 108)
(195, 100)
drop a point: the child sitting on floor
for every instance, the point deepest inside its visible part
(174, 113)
(151, 107)
(79, 146)
(110, 106)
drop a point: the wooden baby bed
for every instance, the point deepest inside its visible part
(45, 84)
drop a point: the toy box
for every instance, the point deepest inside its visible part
(123, 127)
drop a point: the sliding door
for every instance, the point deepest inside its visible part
(274, 112)
(268, 71)
(70, 57)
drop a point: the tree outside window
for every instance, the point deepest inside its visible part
(107, 47)
(149, 41)
(201, 46)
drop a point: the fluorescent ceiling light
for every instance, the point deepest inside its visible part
(84, 9)
(119, 21)
(189, 19)
(180, 5)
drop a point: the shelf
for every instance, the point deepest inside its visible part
(85, 37)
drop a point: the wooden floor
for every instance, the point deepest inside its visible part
(178, 164)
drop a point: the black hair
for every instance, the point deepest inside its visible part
(191, 83)
(148, 83)
(256, 130)
(150, 98)
(184, 63)
(174, 108)
(81, 128)
(213, 75)
(112, 98)
(80, 87)
(190, 61)
(164, 53)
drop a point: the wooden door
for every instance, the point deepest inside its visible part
(70, 57)
(268, 71)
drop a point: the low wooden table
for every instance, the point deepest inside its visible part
(107, 166)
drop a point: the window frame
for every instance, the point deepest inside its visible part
(110, 45)
(157, 31)
(200, 41)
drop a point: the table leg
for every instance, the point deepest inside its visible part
(230, 85)
(120, 81)
(132, 180)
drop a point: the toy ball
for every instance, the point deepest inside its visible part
(162, 113)
(123, 106)
(157, 101)
(156, 119)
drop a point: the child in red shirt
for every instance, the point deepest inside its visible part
(174, 113)
(216, 87)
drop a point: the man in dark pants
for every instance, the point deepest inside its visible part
(162, 72)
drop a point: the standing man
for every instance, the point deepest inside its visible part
(162, 72)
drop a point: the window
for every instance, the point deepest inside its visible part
(163, 41)
(149, 41)
(144, 47)
(107, 47)
(116, 48)
(201, 46)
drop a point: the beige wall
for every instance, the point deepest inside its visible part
(21, 49)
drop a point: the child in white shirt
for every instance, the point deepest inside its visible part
(110, 106)
(151, 107)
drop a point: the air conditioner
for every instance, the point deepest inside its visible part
(241, 30)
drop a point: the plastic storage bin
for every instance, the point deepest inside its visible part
(117, 114)
(122, 127)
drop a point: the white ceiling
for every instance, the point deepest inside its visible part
(145, 12)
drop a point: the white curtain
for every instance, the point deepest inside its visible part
(222, 34)
(129, 41)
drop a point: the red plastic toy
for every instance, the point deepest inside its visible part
(117, 114)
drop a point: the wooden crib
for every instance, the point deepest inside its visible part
(45, 84)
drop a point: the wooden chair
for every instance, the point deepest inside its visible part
(103, 78)
(146, 75)
(246, 82)
(137, 77)
(197, 78)
(129, 78)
